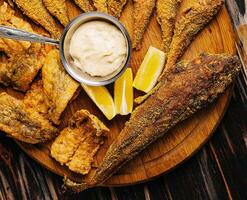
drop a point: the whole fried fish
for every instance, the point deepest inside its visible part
(36, 10)
(58, 86)
(115, 7)
(101, 5)
(85, 5)
(21, 123)
(167, 12)
(58, 9)
(77, 144)
(184, 89)
(143, 10)
(188, 25)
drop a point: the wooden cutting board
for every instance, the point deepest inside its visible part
(182, 141)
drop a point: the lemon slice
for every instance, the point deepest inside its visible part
(123, 93)
(102, 98)
(150, 70)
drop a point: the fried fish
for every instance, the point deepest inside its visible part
(193, 20)
(58, 9)
(36, 10)
(167, 12)
(142, 14)
(77, 144)
(115, 7)
(85, 5)
(58, 85)
(101, 5)
(21, 123)
(184, 89)
(19, 61)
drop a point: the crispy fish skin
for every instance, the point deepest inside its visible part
(37, 12)
(18, 122)
(85, 5)
(184, 89)
(101, 5)
(143, 10)
(79, 142)
(58, 9)
(58, 85)
(115, 7)
(188, 25)
(166, 15)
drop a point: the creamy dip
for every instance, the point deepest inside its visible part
(98, 48)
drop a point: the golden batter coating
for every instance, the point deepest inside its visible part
(21, 123)
(58, 9)
(36, 10)
(101, 5)
(143, 10)
(58, 85)
(85, 5)
(184, 89)
(167, 12)
(77, 144)
(115, 7)
(193, 20)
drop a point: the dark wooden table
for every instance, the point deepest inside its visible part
(217, 171)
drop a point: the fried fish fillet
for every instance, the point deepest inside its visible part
(101, 5)
(77, 144)
(20, 61)
(36, 10)
(188, 25)
(85, 5)
(57, 84)
(143, 10)
(167, 12)
(115, 7)
(184, 89)
(21, 123)
(58, 9)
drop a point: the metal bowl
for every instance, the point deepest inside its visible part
(67, 60)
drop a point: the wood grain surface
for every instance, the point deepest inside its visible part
(182, 141)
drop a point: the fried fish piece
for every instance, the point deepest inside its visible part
(20, 61)
(184, 89)
(58, 9)
(58, 85)
(188, 25)
(143, 10)
(115, 7)
(77, 144)
(21, 123)
(85, 5)
(36, 10)
(101, 5)
(167, 12)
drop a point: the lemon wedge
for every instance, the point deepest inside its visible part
(123, 93)
(102, 98)
(150, 70)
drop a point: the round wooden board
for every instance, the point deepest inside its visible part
(183, 140)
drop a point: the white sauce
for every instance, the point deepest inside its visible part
(98, 48)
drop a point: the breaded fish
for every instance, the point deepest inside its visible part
(184, 89)
(115, 7)
(21, 123)
(101, 5)
(193, 20)
(143, 10)
(20, 61)
(167, 12)
(85, 5)
(36, 10)
(77, 144)
(57, 84)
(58, 9)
